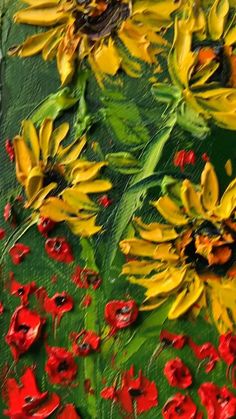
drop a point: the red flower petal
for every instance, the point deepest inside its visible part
(85, 278)
(177, 373)
(104, 201)
(18, 252)
(2, 233)
(60, 366)
(87, 301)
(218, 401)
(170, 339)
(8, 212)
(85, 342)
(10, 150)
(25, 328)
(59, 304)
(109, 393)
(182, 407)
(26, 401)
(45, 225)
(68, 412)
(59, 249)
(1, 308)
(20, 290)
(207, 352)
(121, 314)
(227, 348)
(184, 157)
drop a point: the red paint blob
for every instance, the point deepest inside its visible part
(18, 252)
(59, 249)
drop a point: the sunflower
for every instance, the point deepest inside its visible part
(44, 167)
(188, 258)
(101, 30)
(202, 62)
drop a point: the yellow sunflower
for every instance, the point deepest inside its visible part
(96, 29)
(202, 62)
(45, 167)
(189, 257)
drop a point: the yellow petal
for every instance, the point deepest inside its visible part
(165, 251)
(229, 167)
(85, 170)
(38, 199)
(166, 285)
(217, 17)
(107, 58)
(186, 298)
(84, 228)
(57, 137)
(23, 159)
(137, 247)
(156, 232)
(94, 186)
(227, 202)
(163, 9)
(78, 200)
(135, 42)
(210, 187)
(191, 199)
(56, 209)
(40, 16)
(152, 304)
(170, 211)
(35, 43)
(70, 153)
(34, 182)
(230, 37)
(140, 267)
(45, 133)
(31, 138)
(66, 55)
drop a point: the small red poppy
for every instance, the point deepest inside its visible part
(182, 407)
(137, 393)
(87, 300)
(206, 352)
(218, 401)
(121, 314)
(183, 157)
(60, 366)
(18, 252)
(57, 305)
(59, 249)
(20, 290)
(25, 328)
(227, 348)
(109, 393)
(10, 150)
(104, 201)
(25, 401)
(8, 212)
(170, 339)
(85, 278)
(68, 412)
(45, 225)
(177, 373)
(2, 233)
(1, 308)
(205, 157)
(85, 342)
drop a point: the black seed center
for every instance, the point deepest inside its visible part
(135, 392)
(21, 291)
(23, 328)
(63, 366)
(59, 301)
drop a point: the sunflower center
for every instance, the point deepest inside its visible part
(52, 175)
(100, 18)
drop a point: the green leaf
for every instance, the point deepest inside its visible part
(123, 162)
(192, 121)
(83, 119)
(130, 200)
(165, 93)
(150, 327)
(54, 105)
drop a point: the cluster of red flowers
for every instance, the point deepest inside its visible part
(187, 157)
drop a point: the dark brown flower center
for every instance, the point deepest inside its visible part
(84, 346)
(135, 392)
(100, 21)
(123, 310)
(60, 300)
(29, 399)
(179, 410)
(21, 291)
(92, 279)
(63, 366)
(23, 328)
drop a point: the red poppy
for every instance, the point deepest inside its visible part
(207, 352)
(20, 290)
(2, 233)
(59, 249)
(8, 213)
(25, 328)
(218, 401)
(183, 157)
(45, 225)
(68, 412)
(121, 314)
(227, 348)
(9, 149)
(18, 252)
(85, 342)
(138, 394)
(170, 339)
(205, 157)
(87, 300)
(109, 393)
(1, 308)
(180, 406)
(85, 278)
(57, 305)
(177, 373)
(104, 201)
(25, 401)
(60, 366)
